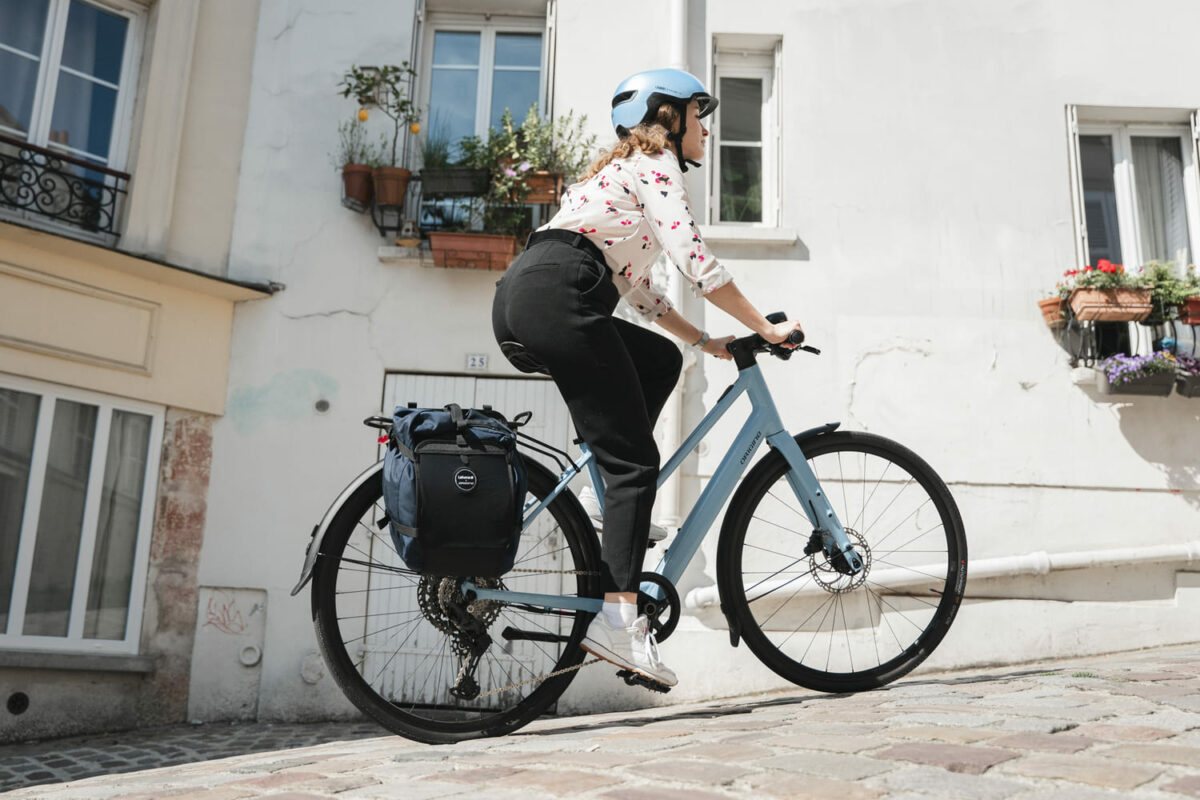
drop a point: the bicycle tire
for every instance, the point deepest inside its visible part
(787, 606)
(397, 666)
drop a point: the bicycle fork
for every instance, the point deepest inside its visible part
(827, 528)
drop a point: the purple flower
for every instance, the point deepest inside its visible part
(523, 166)
(509, 171)
(1121, 369)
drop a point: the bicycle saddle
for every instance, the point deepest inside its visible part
(522, 359)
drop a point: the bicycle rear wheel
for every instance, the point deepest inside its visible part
(394, 639)
(810, 622)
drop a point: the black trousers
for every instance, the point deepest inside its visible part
(557, 300)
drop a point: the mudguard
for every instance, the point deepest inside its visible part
(318, 532)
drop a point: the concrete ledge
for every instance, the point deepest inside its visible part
(404, 256)
(81, 662)
(739, 234)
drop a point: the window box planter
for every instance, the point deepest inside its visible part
(544, 187)
(1054, 311)
(453, 182)
(391, 185)
(356, 187)
(472, 250)
(1188, 384)
(1189, 311)
(1158, 383)
(1111, 305)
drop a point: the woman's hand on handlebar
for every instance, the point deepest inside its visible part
(780, 332)
(718, 347)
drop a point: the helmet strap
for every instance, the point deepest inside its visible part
(676, 139)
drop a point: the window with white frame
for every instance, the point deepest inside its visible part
(1136, 188)
(477, 68)
(68, 76)
(745, 130)
(77, 484)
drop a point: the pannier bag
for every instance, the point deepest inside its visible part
(454, 490)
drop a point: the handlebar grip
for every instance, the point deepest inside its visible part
(796, 338)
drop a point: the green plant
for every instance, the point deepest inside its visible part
(1105, 275)
(1167, 288)
(553, 145)
(382, 87)
(353, 147)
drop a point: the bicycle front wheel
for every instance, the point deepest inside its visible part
(809, 621)
(406, 647)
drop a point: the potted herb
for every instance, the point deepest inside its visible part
(1106, 293)
(1189, 304)
(355, 157)
(1187, 376)
(441, 176)
(545, 151)
(1150, 375)
(381, 87)
(1170, 294)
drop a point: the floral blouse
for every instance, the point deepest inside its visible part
(632, 210)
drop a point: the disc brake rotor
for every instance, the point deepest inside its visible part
(836, 581)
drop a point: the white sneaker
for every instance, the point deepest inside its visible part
(587, 498)
(633, 648)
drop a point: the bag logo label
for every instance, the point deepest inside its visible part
(465, 480)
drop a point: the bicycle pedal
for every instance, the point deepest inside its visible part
(635, 679)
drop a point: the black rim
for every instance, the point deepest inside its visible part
(812, 623)
(396, 664)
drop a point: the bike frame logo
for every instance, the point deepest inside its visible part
(465, 480)
(750, 449)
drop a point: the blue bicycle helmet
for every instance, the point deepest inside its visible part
(638, 98)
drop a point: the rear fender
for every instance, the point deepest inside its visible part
(318, 532)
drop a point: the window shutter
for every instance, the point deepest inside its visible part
(1076, 172)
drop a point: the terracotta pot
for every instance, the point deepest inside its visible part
(1189, 311)
(472, 250)
(356, 187)
(391, 185)
(1111, 305)
(1054, 311)
(544, 187)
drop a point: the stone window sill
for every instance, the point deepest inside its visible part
(81, 662)
(742, 234)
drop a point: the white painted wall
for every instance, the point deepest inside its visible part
(925, 167)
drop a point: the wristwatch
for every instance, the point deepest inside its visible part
(703, 340)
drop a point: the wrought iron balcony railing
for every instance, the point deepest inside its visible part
(59, 187)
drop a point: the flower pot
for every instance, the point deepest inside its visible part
(1187, 384)
(1189, 311)
(391, 185)
(453, 182)
(1054, 311)
(472, 250)
(544, 187)
(1111, 305)
(1156, 383)
(356, 187)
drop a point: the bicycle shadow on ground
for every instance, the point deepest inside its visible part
(639, 719)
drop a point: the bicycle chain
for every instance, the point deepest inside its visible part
(563, 671)
(557, 571)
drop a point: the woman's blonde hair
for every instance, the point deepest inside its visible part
(648, 137)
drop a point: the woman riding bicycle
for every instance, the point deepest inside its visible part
(556, 303)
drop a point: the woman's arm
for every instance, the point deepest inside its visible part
(729, 298)
(675, 324)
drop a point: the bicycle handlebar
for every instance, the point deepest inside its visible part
(746, 349)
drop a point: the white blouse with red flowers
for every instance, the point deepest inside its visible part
(632, 210)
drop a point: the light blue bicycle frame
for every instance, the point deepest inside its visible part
(763, 424)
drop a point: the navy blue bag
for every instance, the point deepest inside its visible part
(454, 489)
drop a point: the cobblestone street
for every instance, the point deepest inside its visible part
(1125, 725)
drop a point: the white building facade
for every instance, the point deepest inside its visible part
(906, 178)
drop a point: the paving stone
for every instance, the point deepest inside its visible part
(661, 794)
(805, 787)
(820, 741)
(1044, 742)
(688, 771)
(949, 720)
(940, 783)
(1082, 769)
(1124, 733)
(1160, 753)
(561, 783)
(974, 759)
(725, 751)
(828, 765)
(944, 733)
(483, 775)
(278, 780)
(1189, 786)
